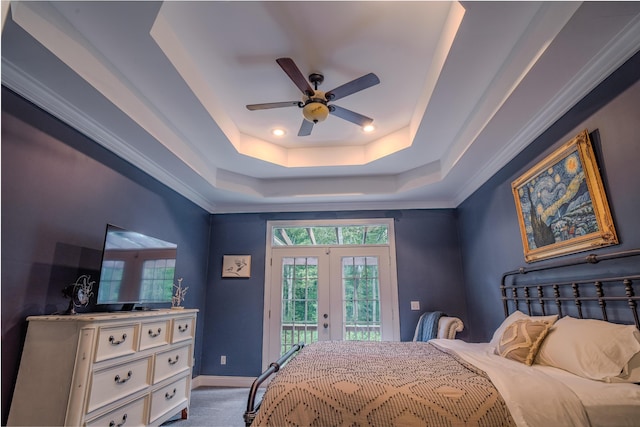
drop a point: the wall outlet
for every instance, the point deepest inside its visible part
(223, 360)
(415, 305)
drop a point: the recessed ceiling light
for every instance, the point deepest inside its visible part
(369, 128)
(278, 132)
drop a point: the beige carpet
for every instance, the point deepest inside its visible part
(215, 407)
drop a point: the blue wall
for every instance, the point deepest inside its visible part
(59, 190)
(429, 271)
(489, 233)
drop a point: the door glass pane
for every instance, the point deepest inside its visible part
(372, 234)
(299, 322)
(361, 298)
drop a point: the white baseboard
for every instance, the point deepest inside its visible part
(221, 381)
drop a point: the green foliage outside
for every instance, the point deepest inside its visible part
(363, 335)
(319, 236)
(361, 300)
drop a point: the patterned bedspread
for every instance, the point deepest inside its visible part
(380, 384)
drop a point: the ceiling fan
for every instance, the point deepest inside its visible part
(315, 103)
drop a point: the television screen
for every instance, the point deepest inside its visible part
(136, 268)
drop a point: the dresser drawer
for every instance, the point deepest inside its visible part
(131, 414)
(116, 341)
(109, 385)
(182, 329)
(167, 398)
(154, 334)
(171, 362)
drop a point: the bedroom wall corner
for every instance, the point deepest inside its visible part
(489, 234)
(429, 270)
(59, 190)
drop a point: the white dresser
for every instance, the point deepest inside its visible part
(105, 369)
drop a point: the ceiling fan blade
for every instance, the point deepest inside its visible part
(268, 105)
(353, 86)
(295, 75)
(305, 128)
(350, 116)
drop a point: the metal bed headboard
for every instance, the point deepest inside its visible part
(605, 290)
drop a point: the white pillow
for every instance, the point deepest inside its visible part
(590, 348)
(518, 315)
(631, 371)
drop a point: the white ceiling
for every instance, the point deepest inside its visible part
(464, 87)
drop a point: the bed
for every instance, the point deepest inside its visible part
(533, 372)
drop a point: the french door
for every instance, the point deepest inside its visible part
(329, 293)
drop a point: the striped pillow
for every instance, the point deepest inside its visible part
(521, 340)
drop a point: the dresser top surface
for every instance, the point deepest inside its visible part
(119, 315)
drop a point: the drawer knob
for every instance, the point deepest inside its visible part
(119, 380)
(154, 334)
(113, 423)
(113, 341)
(173, 362)
(170, 396)
(183, 328)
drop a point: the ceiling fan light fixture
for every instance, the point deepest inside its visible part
(315, 112)
(314, 103)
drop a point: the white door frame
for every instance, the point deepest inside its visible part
(267, 321)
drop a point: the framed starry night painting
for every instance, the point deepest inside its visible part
(561, 203)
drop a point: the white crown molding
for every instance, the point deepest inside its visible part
(333, 206)
(260, 191)
(22, 83)
(610, 58)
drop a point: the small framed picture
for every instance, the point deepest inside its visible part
(236, 266)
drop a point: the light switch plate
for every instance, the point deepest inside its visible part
(415, 305)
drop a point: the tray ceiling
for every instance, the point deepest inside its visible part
(464, 87)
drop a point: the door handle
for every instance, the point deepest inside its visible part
(326, 325)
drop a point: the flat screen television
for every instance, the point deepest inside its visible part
(135, 269)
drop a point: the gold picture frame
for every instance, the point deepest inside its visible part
(561, 203)
(236, 266)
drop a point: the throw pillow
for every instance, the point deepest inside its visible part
(521, 340)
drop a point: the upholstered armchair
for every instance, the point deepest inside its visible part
(448, 327)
